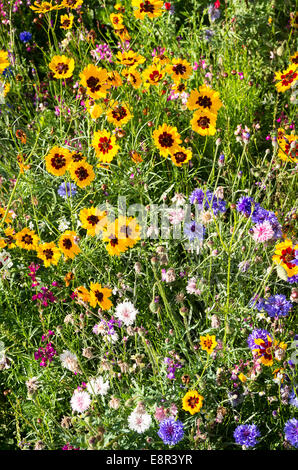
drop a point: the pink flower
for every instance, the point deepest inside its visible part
(263, 232)
(80, 401)
(160, 414)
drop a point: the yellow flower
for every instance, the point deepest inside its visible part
(203, 122)
(62, 66)
(288, 148)
(4, 88)
(285, 255)
(135, 157)
(119, 114)
(242, 377)
(43, 7)
(71, 3)
(67, 244)
(294, 58)
(114, 78)
(166, 139)
(21, 163)
(27, 239)
(192, 402)
(208, 343)
(180, 156)
(153, 75)
(133, 77)
(100, 295)
(130, 59)
(82, 173)
(179, 69)
(57, 161)
(95, 79)
(4, 62)
(93, 220)
(105, 146)
(115, 244)
(9, 237)
(116, 20)
(82, 293)
(287, 78)
(8, 218)
(294, 19)
(129, 230)
(123, 34)
(49, 253)
(151, 8)
(66, 21)
(205, 98)
(77, 157)
(94, 109)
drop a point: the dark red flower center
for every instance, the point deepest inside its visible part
(166, 140)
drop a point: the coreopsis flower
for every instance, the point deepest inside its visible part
(82, 293)
(129, 230)
(66, 21)
(123, 34)
(246, 435)
(192, 402)
(119, 114)
(153, 75)
(7, 219)
(94, 109)
(286, 255)
(294, 58)
(95, 80)
(166, 139)
(57, 161)
(4, 88)
(133, 77)
(171, 431)
(49, 253)
(43, 7)
(203, 122)
(27, 239)
(67, 244)
(150, 8)
(105, 146)
(97, 386)
(80, 401)
(62, 66)
(9, 238)
(93, 220)
(115, 244)
(100, 296)
(208, 343)
(135, 156)
(130, 59)
(77, 157)
(261, 344)
(287, 78)
(4, 62)
(71, 3)
(291, 432)
(82, 173)
(69, 361)
(114, 79)
(180, 156)
(179, 70)
(205, 98)
(126, 312)
(288, 147)
(116, 20)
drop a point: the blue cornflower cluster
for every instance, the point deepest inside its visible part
(171, 431)
(207, 200)
(248, 207)
(255, 335)
(194, 231)
(67, 190)
(294, 397)
(246, 435)
(275, 305)
(291, 431)
(25, 36)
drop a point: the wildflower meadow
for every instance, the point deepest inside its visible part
(148, 225)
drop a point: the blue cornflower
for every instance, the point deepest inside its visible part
(256, 302)
(244, 205)
(293, 279)
(294, 397)
(217, 204)
(7, 72)
(171, 431)
(208, 34)
(197, 197)
(71, 190)
(213, 12)
(25, 36)
(194, 231)
(291, 431)
(257, 334)
(277, 306)
(246, 435)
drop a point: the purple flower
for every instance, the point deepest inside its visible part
(246, 435)
(197, 197)
(25, 36)
(67, 190)
(244, 205)
(171, 431)
(213, 12)
(257, 334)
(194, 231)
(291, 431)
(277, 306)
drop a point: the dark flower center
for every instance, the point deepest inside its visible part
(67, 243)
(204, 101)
(93, 219)
(193, 401)
(28, 239)
(179, 69)
(58, 161)
(94, 84)
(104, 144)
(204, 122)
(82, 173)
(113, 240)
(166, 140)
(180, 157)
(99, 296)
(48, 253)
(61, 68)
(119, 113)
(146, 7)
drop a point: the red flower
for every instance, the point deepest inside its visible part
(217, 4)
(167, 6)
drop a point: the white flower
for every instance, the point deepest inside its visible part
(97, 386)
(139, 422)
(126, 312)
(176, 215)
(69, 361)
(80, 401)
(63, 225)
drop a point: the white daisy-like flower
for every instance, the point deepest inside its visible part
(80, 401)
(176, 216)
(139, 422)
(126, 312)
(69, 361)
(97, 386)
